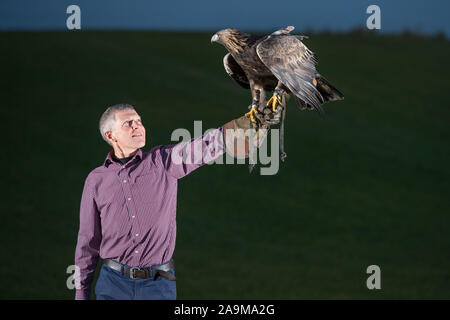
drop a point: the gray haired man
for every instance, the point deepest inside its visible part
(128, 205)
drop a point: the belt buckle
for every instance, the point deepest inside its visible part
(132, 270)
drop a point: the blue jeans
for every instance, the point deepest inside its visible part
(113, 285)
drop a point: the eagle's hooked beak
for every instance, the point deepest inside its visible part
(214, 38)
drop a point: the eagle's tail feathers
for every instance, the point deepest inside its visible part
(302, 105)
(327, 90)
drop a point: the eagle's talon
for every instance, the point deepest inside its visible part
(275, 101)
(252, 113)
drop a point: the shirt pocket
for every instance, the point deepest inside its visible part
(145, 177)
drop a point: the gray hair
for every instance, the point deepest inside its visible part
(108, 118)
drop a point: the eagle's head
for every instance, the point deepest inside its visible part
(232, 39)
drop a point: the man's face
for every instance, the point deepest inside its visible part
(128, 131)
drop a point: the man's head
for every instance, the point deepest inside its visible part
(121, 126)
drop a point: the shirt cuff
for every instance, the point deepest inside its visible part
(82, 294)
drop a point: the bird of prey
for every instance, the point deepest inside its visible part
(278, 62)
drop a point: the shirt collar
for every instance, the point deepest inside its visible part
(110, 160)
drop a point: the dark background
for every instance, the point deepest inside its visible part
(366, 184)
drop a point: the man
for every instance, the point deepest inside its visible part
(128, 205)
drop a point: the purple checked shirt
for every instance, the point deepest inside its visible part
(128, 212)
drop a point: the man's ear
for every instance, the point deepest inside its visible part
(109, 136)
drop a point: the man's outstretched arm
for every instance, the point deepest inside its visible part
(233, 137)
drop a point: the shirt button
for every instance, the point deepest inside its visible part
(137, 234)
(136, 251)
(132, 217)
(129, 199)
(124, 181)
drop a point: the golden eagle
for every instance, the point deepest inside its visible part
(278, 62)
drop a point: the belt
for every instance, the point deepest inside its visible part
(143, 273)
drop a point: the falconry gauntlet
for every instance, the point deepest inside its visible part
(239, 132)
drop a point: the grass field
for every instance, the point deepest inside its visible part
(366, 184)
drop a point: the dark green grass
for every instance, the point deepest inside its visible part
(366, 184)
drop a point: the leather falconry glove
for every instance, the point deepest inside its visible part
(239, 132)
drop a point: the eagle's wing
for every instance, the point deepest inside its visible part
(235, 71)
(293, 64)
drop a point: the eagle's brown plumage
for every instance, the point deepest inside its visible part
(279, 60)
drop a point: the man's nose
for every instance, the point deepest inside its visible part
(135, 125)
